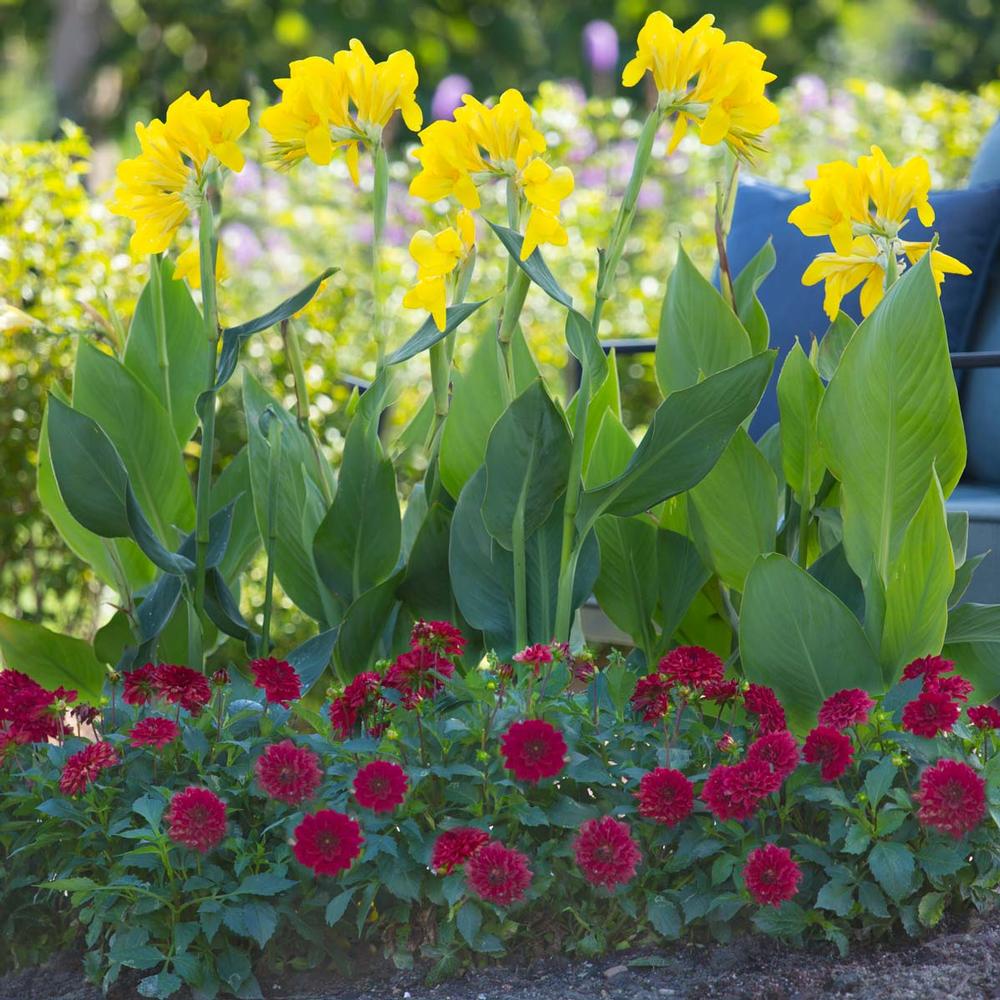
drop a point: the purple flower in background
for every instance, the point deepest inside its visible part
(812, 92)
(600, 46)
(241, 244)
(448, 95)
(650, 195)
(247, 181)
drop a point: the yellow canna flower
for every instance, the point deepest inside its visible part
(188, 265)
(506, 132)
(314, 117)
(837, 198)
(894, 191)
(449, 158)
(941, 263)
(844, 272)
(545, 190)
(438, 255)
(714, 85)
(159, 188)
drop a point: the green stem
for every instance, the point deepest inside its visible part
(273, 467)
(516, 290)
(160, 326)
(805, 512)
(891, 264)
(725, 201)
(442, 354)
(379, 208)
(208, 247)
(520, 580)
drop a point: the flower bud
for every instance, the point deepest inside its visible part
(220, 678)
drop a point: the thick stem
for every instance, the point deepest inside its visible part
(273, 467)
(208, 248)
(805, 511)
(725, 201)
(379, 208)
(520, 582)
(516, 290)
(160, 326)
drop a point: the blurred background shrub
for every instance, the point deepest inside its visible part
(65, 269)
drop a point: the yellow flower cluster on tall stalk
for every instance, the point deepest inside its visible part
(484, 144)
(715, 86)
(164, 185)
(438, 256)
(862, 208)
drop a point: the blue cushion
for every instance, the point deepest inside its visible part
(986, 168)
(967, 220)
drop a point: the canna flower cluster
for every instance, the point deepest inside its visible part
(439, 256)
(166, 183)
(329, 106)
(863, 208)
(711, 85)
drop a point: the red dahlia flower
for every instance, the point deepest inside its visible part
(288, 773)
(927, 666)
(139, 685)
(984, 717)
(930, 713)
(665, 796)
(439, 637)
(533, 750)
(416, 675)
(720, 691)
(85, 766)
(952, 798)
(196, 818)
(454, 847)
(498, 874)
(951, 687)
(771, 875)
(32, 714)
(380, 786)
(359, 703)
(182, 686)
(829, 748)
(726, 744)
(691, 667)
(760, 700)
(846, 708)
(535, 656)
(606, 853)
(154, 731)
(735, 791)
(327, 842)
(651, 697)
(778, 750)
(278, 680)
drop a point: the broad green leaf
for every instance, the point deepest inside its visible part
(426, 588)
(748, 307)
(311, 659)
(893, 866)
(688, 432)
(365, 622)
(118, 562)
(889, 415)
(527, 462)
(798, 638)
(832, 344)
(605, 400)
(469, 919)
(664, 916)
(585, 346)
(534, 267)
(732, 535)
(233, 484)
(234, 337)
(337, 906)
(837, 896)
(681, 575)
(613, 447)
(300, 506)
(138, 426)
(800, 392)
(429, 334)
(972, 640)
(699, 333)
(626, 586)
(920, 581)
(357, 542)
(963, 579)
(264, 884)
(179, 375)
(930, 909)
(958, 532)
(51, 659)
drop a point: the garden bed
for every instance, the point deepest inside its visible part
(962, 963)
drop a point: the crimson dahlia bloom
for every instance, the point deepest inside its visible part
(760, 700)
(951, 687)
(358, 703)
(327, 842)
(735, 791)
(278, 680)
(196, 818)
(771, 875)
(498, 874)
(454, 847)
(288, 773)
(927, 666)
(28, 712)
(416, 675)
(182, 686)
(984, 717)
(535, 656)
(930, 713)
(533, 750)
(439, 637)
(691, 667)
(139, 686)
(606, 853)
(778, 750)
(651, 698)
(952, 798)
(846, 708)
(665, 796)
(720, 691)
(154, 731)
(380, 786)
(829, 748)
(84, 767)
